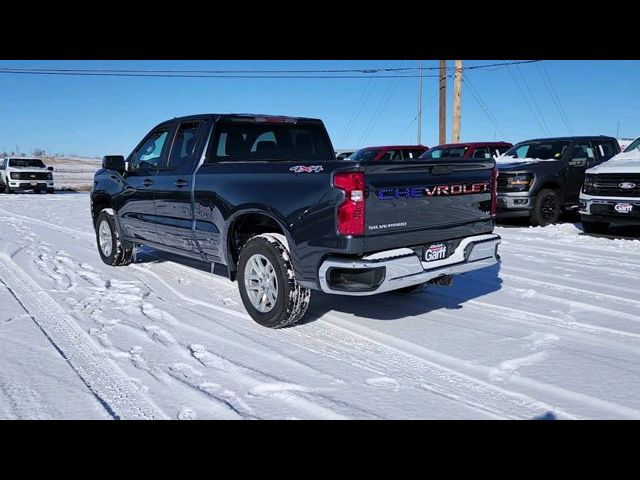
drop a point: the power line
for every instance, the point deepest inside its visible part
(535, 116)
(188, 75)
(533, 99)
(416, 117)
(382, 105)
(179, 72)
(556, 99)
(366, 93)
(483, 105)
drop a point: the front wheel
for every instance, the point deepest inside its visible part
(268, 288)
(7, 189)
(546, 208)
(112, 251)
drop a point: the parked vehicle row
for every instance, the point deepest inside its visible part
(266, 197)
(25, 174)
(541, 178)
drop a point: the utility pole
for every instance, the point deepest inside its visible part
(457, 100)
(443, 102)
(420, 102)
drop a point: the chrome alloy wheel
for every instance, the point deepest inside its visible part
(261, 283)
(105, 237)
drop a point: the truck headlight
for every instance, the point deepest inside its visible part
(589, 184)
(49, 176)
(519, 182)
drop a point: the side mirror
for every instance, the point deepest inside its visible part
(114, 162)
(578, 162)
(50, 169)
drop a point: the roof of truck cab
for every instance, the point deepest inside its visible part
(569, 139)
(394, 146)
(472, 144)
(242, 116)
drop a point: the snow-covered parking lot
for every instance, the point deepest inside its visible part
(553, 333)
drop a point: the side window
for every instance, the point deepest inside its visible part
(412, 153)
(184, 144)
(481, 152)
(149, 154)
(582, 150)
(3, 164)
(500, 150)
(522, 151)
(391, 155)
(605, 149)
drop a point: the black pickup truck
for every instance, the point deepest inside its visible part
(541, 178)
(265, 197)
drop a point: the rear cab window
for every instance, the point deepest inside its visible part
(412, 153)
(26, 163)
(365, 155)
(269, 141)
(446, 152)
(605, 149)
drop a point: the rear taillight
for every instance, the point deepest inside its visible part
(351, 211)
(494, 192)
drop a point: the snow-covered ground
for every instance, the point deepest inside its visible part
(73, 173)
(553, 333)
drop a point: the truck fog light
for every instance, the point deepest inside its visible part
(521, 201)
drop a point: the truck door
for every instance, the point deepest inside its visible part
(173, 187)
(137, 209)
(580, 157)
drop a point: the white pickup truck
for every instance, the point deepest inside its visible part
(21, 173)
(611, 191)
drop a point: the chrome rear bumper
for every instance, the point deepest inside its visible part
(403, 267)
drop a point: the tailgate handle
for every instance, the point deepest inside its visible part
(181, 183)
(442, 170)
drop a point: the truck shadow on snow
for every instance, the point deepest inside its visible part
(385, 306)
(397, 305)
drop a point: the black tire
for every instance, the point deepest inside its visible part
(7, 189)
(37, 191)
(50, 190)
(413, 288)
(292, 299)
(594, 227)
(116, 253)
(546, 208)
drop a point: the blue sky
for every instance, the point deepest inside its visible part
(95, 116)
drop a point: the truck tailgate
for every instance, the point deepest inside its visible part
(425, 201)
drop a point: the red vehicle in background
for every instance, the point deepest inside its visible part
(468, 150)
(391, 152)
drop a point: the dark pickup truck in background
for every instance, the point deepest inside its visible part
(266, 197)
(541, 178)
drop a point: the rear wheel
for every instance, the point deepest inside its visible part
(268, 288)
(112, 251)
(546, 208)
(594, 227)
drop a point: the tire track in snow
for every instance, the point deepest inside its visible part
(338, 343)
(584, 399)
(117, 392)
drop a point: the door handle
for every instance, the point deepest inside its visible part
(181, 183)
(147, 182)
